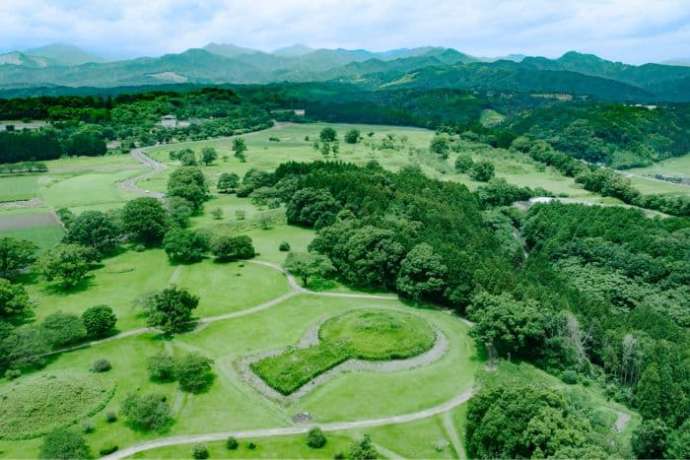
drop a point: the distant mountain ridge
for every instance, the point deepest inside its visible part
(424, 67)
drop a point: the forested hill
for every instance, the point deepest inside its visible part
(573, 74)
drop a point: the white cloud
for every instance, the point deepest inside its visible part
(630, 30)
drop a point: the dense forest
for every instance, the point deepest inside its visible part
(597, 294)
(82, 125)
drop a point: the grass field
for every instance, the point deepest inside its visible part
(14, 188)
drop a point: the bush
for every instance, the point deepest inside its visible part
(110, 417)
(569, 377)
(161, 368)
(101, 365)
(284, 246)
(482, 171)
(108, 450)
(463, 163)
(194, 373)
(87, 426)
(200, 451)
(251, 445)
(231, 443)
(63, 329)
(316, 438)
(99, 321)
(148, 412)
(13, 374)
(64, 444)
(228, 248)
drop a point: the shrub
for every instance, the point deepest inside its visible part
(316, 438)
(200, 451)
(463, 163)
(284, 246)
(64, 444)
(194, 373)
(87, 426)
(99, 321)
(482, 171)
(148, 412)
(13, 374)
(101, 365)
(569, 377)
(227, 248)
(63, 329)
(161, 368)
(107, 450)
(231, 443)
(251, 445)
(110, 417)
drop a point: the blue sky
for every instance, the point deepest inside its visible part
(633, 31)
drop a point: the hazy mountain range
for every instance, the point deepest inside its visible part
(425, 67)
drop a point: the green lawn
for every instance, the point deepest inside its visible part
(14, 188)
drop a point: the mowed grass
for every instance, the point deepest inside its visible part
(378, 335)
(35, 405)
(37, 225)
(14, 188)
(125, 279)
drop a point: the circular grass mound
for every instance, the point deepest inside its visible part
(378, 334)
(33, 406)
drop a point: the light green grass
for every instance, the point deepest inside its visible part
(379, 335)
(423, 439)
(124, 279)
(45, 237)
(38, 404)
(14, 188)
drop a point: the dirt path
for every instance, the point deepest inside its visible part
(452, 433)
(294, 430)
(622, 421)
(155, 167)
(130, 185)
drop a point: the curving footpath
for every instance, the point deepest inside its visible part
(130, 185)
(294, 430)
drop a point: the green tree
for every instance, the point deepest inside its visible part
(188, 182)
(208, 155)
(66, 444)
(69, 264)
(180, 210)
(62, 329)
(310, 206)
(185, 246)
(145, 220)
(363, 449)
(316, 438)
(148, 412)
(194, 372)
(161, 367)
(678, 445)
(440, 145)
(507, 325)
(649, 439)
(463, 163)
(23, 347)
(307, 266)
(15, 256)
(14, 301)
(99, 321)
(94, 229)
(227, 248)
(422, 273)
(352, 136)
(482, 171)
(171, 309)
(228, 182)
(239, 147)
(328, 135)
(649, 393)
